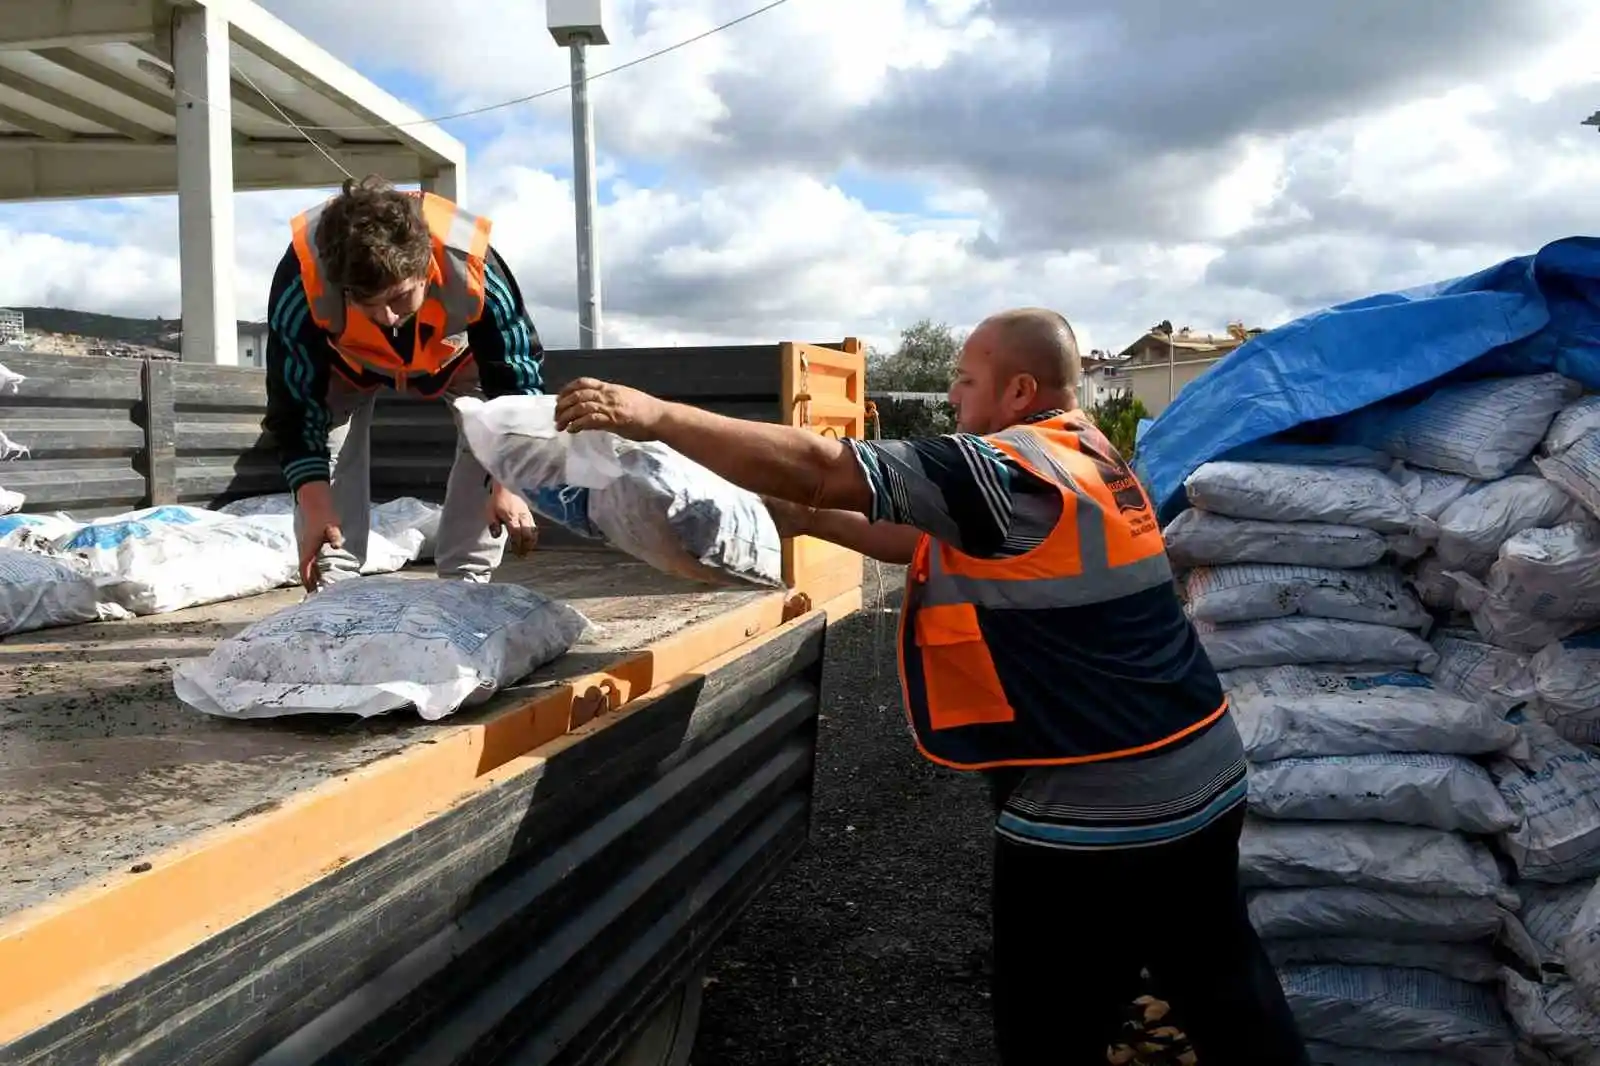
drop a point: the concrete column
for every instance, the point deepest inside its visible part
(201, 70)
(449, 182)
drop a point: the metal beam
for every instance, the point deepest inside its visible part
(32, 168)
(62, 100)
(107, 78)
(29, 25)
(48, 131)
(269, 39)
(251, 99)
(202, 67)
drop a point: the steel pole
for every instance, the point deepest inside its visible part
(584, 198)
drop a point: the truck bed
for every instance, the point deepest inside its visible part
(101, 767)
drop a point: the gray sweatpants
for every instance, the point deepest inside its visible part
(464, 549)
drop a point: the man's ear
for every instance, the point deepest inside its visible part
(1024, 389)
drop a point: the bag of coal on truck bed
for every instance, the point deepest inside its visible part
(39, 591)
(644, 498)
(366, 647)
(167, 558)
(1447, 792)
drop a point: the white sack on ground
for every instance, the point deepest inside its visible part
(1334, 1055)
(1200, 538)
(1395, 1010)
(1503, 625)
(1567, 677)
(1581, 948)
(167, 558)
(1549, 913)
(1555, 790)
(1472, 963)
(1387, 858)
(1368, 914)
(1432, 583)
(1472, 529)
(1429, 493)
(1446, 792)
(646, 499)
(1283, 493)
(384, 556)
(1554, 1018)
(1253, 592)
(40, 592)
(1550, 573)
(1293, 711)
(1285, 641)
(10, 381)
(366, 647)
(1473, 669)
(1577, 470)
(1575, 421)
(1481, 429)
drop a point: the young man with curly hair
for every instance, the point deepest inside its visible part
(382, 288)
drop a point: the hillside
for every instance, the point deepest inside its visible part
(161, 333)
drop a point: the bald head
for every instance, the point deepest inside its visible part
(1016, 364)
(1038, 342)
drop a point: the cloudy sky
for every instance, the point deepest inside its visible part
(839, 167)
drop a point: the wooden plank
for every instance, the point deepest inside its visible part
(65, 437)
(824, 389)
(219, 387)
(161, 434)
(48, 953)
(82, 379)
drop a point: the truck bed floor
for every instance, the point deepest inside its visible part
(100, 764)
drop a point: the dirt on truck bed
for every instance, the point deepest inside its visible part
(873, 947)
(101, 766)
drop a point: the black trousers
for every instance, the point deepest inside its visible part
(1073, 930)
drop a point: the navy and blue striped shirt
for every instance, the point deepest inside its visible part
(962, 490)
(300, 356)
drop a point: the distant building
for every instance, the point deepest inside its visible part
(1103, 376)
(1163, 360)
(253, 345)
(11, 327)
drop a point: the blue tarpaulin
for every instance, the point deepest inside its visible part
(1530, 314)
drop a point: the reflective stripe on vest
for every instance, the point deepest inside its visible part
(454, 299)
(965, 710)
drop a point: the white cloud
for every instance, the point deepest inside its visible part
(751, 236)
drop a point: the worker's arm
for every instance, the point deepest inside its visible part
(887, 542)
(504, 341)
(297, 380)
(957, 488)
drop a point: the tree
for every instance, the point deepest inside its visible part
(1118, 418)
(924, 362)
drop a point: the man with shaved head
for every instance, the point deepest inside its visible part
(1042, 643)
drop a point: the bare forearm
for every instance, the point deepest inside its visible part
(884, 541)
(782, 461)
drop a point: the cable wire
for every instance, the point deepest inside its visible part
(514, 102)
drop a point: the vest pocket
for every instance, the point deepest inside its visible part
(958, 673)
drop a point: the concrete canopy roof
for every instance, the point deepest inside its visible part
(91, 102)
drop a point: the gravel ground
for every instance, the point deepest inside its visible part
(872, 948)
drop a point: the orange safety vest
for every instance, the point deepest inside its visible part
(454, 301)
(986, 663)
